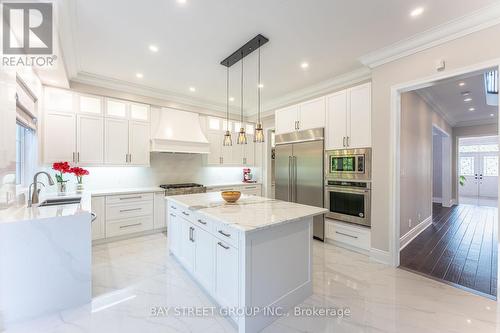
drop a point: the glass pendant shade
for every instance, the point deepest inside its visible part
(259, 133)
(227, 139)
(242, 137)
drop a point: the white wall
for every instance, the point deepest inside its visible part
(437, 166)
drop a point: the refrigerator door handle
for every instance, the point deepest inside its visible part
(290, 185)
(294, 178)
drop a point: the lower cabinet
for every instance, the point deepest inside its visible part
(98, 224)
(226, 274)
(174, 233)
(350, 236)
(204, 257)
(187, 246)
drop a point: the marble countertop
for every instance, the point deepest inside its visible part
(249, 213)
(23, 213)
(233, 184)
(132, 190)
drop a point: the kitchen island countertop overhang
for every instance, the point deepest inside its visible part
(255, 254)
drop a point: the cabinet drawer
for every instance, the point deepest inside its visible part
(226, 233)
(355, 236)
(125, 198)
(203, 222)
(128, 226)
(182, 211)
(128, 210)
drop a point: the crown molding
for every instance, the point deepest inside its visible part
(478, 20)
(323, 88)
(478, 122)
(435, 106)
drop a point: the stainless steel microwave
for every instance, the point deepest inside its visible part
(348, 164)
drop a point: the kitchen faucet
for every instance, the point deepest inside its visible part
(34, 198)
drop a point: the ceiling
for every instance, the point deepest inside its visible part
(447, 97)
(110, 40)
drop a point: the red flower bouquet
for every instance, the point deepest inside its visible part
(62, 168)
(79, 173)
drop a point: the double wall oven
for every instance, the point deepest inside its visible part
(348, 185)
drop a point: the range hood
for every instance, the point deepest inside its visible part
(176, 131)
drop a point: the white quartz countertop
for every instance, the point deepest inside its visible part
(132, 190)
(249, 213)
(23, 213)
(232, 184)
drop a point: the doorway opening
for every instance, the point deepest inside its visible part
(447, 184)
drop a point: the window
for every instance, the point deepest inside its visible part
(491, 82)
(466, 166)
(479, 148)
(20, 139)
(490, 166)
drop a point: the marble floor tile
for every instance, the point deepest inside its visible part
(131, 277)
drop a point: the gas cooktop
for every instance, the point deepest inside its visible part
(182, 185)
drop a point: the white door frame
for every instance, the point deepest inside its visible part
(395, 121)
(446, 169)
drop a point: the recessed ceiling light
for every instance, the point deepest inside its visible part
(139, 75)
(417, 12)
(461, 84)
(192, 89)
(468, 99)
(304, 65)
(231, 99)
(465, 93)
(153, 48)
(260, 85)
(491, 114)
(472, 109)
(181, 1)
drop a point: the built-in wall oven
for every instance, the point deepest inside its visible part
(348, 185)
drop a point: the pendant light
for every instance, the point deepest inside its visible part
(259, 131)
(227, 137)
(242, 136)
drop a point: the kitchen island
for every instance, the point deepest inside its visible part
(253, 257)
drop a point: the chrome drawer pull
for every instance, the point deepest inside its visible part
(173, 207)
(130, 225)
(202, 222)
(341, 233)
(250, 187)
(185, 213)
(128, 198)
(223, 246)
(129, 210)
(224, 234)
(173, 215)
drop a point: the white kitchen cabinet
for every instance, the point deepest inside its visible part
(116, 108)
(359, 121)
(204, 257)
(160, 220)
(58, 100)
(90, 104)
(348, 118)
(140, 112)
(139, 136)
(226, 274)
(116, 141)
(90, 139)
(249, 151)
(336, 126)
(59, 137)
(236, 151)
(303, 116)
(98, 225)
(174, 232)
(286, 119)
(312, 114)
(187, 245)
(215, 142)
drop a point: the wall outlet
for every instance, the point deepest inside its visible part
(409, 223)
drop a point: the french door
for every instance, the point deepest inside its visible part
(480, 175)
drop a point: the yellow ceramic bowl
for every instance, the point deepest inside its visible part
(231, 196)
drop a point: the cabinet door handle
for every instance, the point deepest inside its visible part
(74, 159)
(223, 246)
(202, 222)
(224, 234)
(173, 215)
(129, 225)
(129, 198)
(343, 141)
(78, 157)
(126, 158)
(173, 207)
(347, 142)
(343, 234)
(129, 210)
(191, 234)
(298, 124)
(130, 158)
(187, 214)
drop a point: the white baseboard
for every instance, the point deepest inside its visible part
(381, 256)
(437, 200)
(410, 235)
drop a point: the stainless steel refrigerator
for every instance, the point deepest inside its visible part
(299, 172)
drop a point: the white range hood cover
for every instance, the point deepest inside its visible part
(177, 132)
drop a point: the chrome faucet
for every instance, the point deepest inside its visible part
(34, 198)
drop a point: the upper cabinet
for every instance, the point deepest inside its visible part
(91, 130)
(303, 116)
(348, 118)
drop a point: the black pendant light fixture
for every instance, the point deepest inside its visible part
(227, 137)
(242, 136)
(252, 45)
(259, 131)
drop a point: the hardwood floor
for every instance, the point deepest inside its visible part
(460, 247)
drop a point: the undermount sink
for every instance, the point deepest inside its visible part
(60, 201)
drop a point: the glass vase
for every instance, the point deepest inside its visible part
(61, 188)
